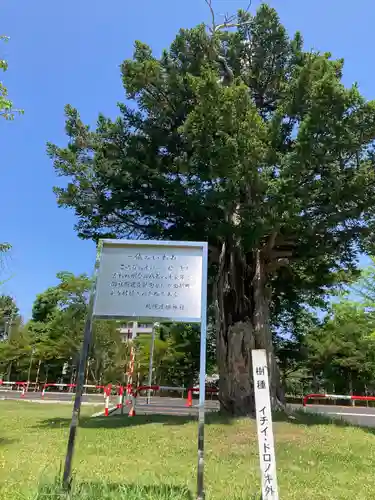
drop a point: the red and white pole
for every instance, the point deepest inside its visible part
(120, 393)
(130, 376)
(132, 409)
(108, 390)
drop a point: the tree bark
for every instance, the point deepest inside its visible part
(243, 323)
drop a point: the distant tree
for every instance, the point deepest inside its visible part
(71, 292)
(364, 287)
(56, 328)
(9, 316)
(290, 343)
(341, 352)
(4, 249)
(109, 355)
(56, 332)
(176, 355)
(241, 138)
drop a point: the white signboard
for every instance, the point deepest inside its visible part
(264, 426)
(150, 279)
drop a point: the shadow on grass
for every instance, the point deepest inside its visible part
(6, 441)
(113, 491)
(116, 421)
(296, 417)
(309, 418)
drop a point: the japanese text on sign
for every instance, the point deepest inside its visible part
(264, 426)
(150, 281)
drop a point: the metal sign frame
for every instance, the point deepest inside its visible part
(88, 336)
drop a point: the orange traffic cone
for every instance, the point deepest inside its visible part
(131, 412)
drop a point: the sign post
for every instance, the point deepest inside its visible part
(264, 425)
(150, 368)
(81, 377)
(161, 281)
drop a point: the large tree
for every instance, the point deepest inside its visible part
(241, 138)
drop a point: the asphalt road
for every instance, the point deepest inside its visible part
(171, 406)
(56, 397)
(365, 417)
(177, 406)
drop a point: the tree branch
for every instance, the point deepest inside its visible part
(228, 20)
(209, 3)
(276, 264)
(226, 25)
(271, 241)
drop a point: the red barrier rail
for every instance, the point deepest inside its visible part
(71, 386)
(145, 388)
(24, 386)
(337, 396)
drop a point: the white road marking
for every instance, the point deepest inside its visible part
(349, 414)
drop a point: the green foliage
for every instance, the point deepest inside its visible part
(176, 355)
(267, 150)
(290, 344)
(109, 355)
(70, 293)
(365, 287)
(6, 106)
(55, 335)
(334, 353)
(9, 315)
(4, 250)
(14, 350)
(5, 247)
(243, 139)
(341, 352)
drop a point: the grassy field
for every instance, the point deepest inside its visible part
(155, 457)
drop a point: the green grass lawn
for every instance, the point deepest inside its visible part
(155, 457)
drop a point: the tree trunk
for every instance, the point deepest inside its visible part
(243, 313)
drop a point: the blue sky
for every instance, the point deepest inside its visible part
(70, 52)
